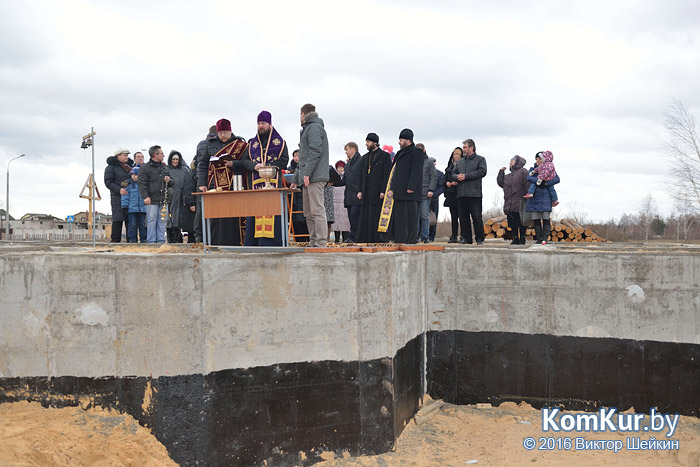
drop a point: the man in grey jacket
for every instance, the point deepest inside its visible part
(429, 186)
(312, 173)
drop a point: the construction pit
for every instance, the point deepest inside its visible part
(285, 359)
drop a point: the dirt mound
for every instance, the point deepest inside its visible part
(485, 435)
(31, 435)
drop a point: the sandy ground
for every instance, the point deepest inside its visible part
(468, 435)
(31, 435)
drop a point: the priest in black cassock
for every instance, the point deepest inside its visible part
(374, 168)
(406, 189)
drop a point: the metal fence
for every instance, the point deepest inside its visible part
(55, 237)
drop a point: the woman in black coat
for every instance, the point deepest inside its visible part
(118, 170)
(451, 192)
(179, 173)
(189, 216)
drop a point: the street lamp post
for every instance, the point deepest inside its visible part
(89, 140)
(7, 200)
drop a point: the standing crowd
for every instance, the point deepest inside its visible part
(376, 197)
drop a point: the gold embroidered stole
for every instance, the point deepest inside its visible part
(387, 205)
(265, 225)
(217, 169)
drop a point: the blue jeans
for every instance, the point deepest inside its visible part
(137, 220)
(424, 220)
(155, 226)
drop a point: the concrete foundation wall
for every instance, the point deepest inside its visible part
(639, 296)
(145, 315)
(92, 314)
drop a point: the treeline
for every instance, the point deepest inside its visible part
(683, 225)
(631, 227)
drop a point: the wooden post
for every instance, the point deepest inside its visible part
(90, 206)
(90, 186)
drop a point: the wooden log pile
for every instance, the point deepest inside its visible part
(566, 230)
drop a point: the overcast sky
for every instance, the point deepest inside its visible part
(589, 81)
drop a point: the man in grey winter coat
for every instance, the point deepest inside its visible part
(312, 173)
(469, 172)
(429, 186)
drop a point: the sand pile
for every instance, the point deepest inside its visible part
(469, 435)
(31, 435)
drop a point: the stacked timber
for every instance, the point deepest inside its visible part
(567, 230)
(496, 227)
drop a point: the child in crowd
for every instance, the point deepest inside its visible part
(545, 171)
(137, 210)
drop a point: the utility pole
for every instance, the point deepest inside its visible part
(7, 200)
(89, 141)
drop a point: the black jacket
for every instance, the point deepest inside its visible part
(114, 176)
(408, 174)
(190, 187)
(201, 147)
(474, 167)
(189, 200)
(378, 164)
(151, 183)
(352, 181)
(450, 171)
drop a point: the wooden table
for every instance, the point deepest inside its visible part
(245, 203)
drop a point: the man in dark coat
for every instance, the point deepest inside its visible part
(514, 187)
(470, 170)
(429, 186)
(374, 171)
(352, 178)
(154, 181)
(406, 189)
(435, 200)
(223, 231)
(191, 203)
(298, 220)
(197, 216)
(118, 171)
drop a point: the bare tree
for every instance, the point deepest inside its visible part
(577, 212)
(496, 208)
(645, 217)
(627, 223)
(684, 218)
(683, 149)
